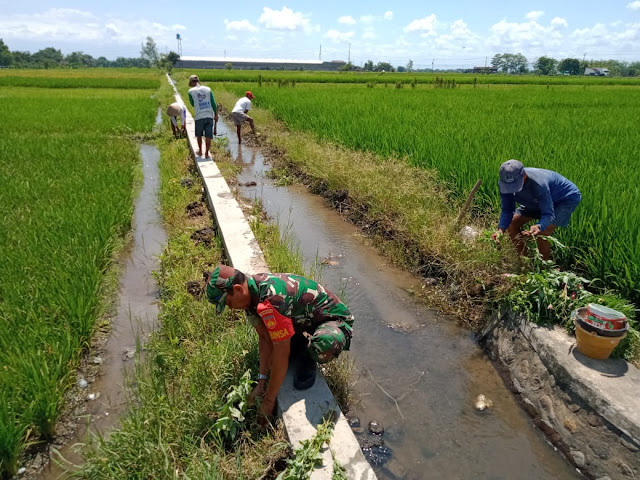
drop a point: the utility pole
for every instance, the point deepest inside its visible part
(320, 54)
(432, 64)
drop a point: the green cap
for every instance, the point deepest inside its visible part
(328, 341)
(219, 284)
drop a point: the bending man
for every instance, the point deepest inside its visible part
(293, 315)
(239, 114)
(173, 111)
(541, 194)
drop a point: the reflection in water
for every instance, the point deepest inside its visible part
(431, 367)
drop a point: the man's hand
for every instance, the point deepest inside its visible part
(534, 230)
(215, 117)
(265, 411)
(258, 391)
(496, 235)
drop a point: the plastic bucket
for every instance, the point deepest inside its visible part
(593, 345)
(580, 316)
(605, 317)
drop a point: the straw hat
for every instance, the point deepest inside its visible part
(174, 110)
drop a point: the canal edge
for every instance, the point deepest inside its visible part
(301, 413)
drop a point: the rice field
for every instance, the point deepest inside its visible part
(87, 78)
(375, 78)
(67, 173)
(588, 134)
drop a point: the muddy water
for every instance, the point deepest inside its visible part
(136, 316)
(431, 367)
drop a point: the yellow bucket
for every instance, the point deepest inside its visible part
(593, 345)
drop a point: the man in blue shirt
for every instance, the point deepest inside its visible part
(541, 194)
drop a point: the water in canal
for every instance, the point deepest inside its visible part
(432, 367)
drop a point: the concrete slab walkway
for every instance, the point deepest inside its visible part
(300, 411)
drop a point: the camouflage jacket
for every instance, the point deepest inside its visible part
(305, 302)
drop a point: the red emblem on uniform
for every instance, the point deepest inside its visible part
(280, 327)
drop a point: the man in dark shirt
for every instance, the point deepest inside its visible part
(541, 194)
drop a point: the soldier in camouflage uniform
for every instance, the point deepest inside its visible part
(292, 315)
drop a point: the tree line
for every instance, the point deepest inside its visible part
(516, 63)
(53, 58)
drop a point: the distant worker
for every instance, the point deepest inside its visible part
(292, 315)
(239, 114)
(541, 194)
(201, 98)
(174, 111)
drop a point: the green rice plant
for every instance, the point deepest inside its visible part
(14, 429)
(465, 134)
(270, 76)
(67, 179)
(87, 78)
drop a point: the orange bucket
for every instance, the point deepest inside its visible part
(593, 345)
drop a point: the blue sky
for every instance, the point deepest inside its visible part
(449, 34)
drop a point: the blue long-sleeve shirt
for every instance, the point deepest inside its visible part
(541, 191)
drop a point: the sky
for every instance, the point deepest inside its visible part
(445, 34)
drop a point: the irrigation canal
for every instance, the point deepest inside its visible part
(135, 320)
(433, 368)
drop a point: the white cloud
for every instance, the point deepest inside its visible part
(426, 25)
(65, 25)
(231, 37)
(634, 5)
(337, 36)
(347, 19)
(534, 15)
(285, 19)
(559, 22)
(369, 18)
(240, 26)
(369, 35)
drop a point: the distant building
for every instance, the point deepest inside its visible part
(239, 63)
(596, 71)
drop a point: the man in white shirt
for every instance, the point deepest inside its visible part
(206, 112)
(239, 114)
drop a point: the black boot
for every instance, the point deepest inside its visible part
(305, 375)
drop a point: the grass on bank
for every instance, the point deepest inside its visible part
(194, 361)
(182, 424)
(67, 176)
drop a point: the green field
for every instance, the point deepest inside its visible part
(280, 76)
(67, 174)
(88, 78)
(588, 134)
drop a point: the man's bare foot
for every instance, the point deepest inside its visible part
(206, 155)
(199, 153)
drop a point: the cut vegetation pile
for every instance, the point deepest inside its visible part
(67, 177)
